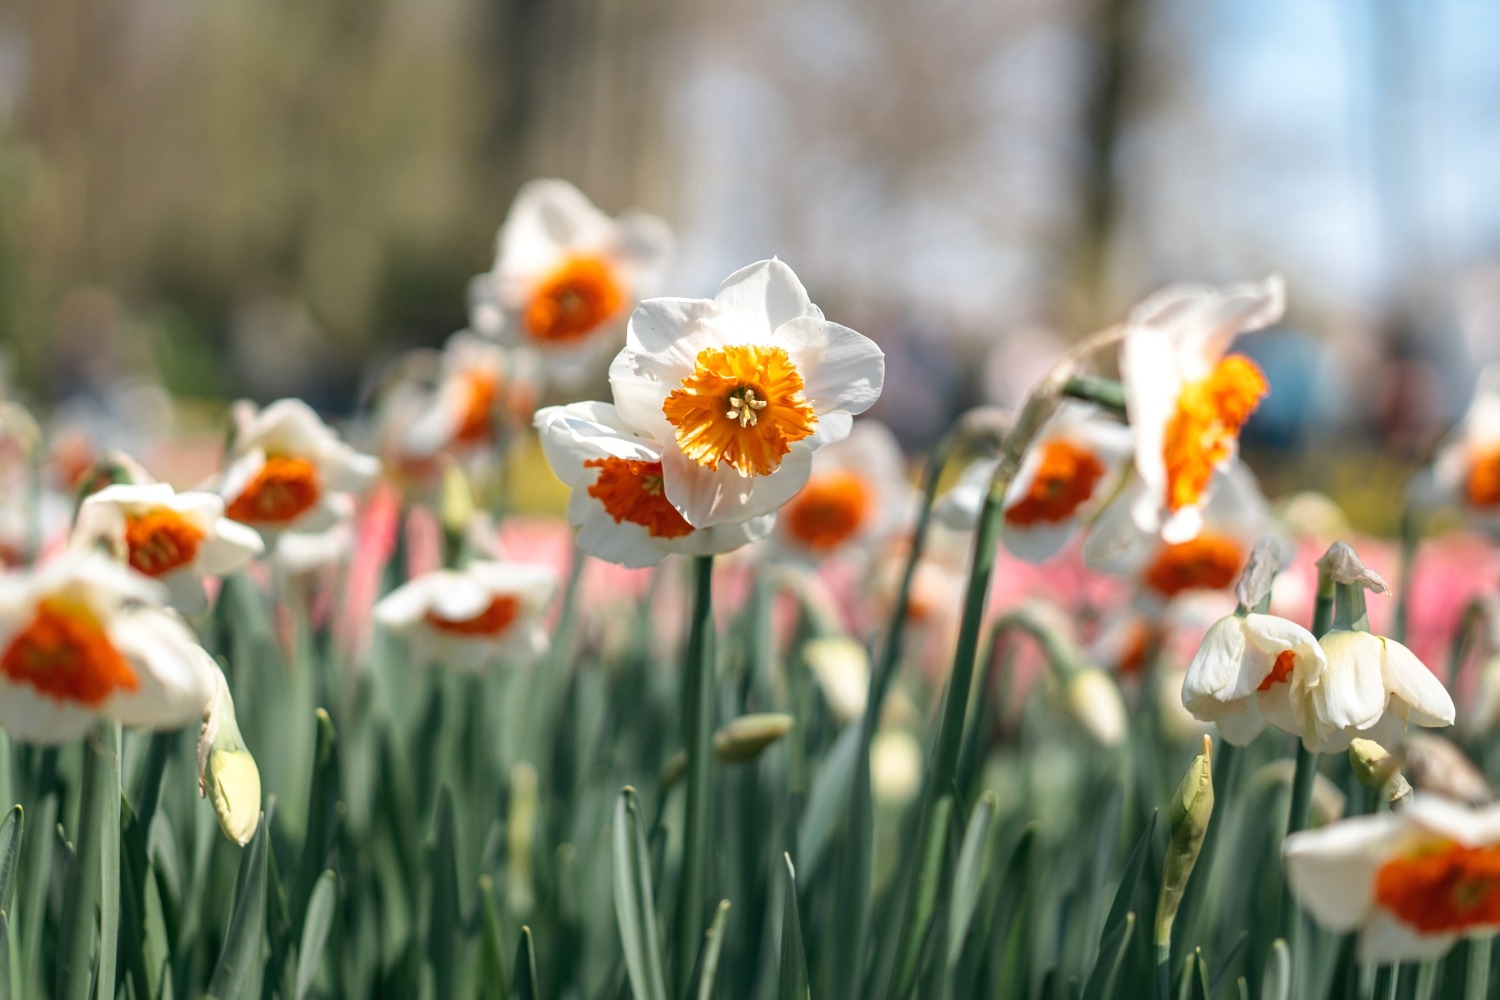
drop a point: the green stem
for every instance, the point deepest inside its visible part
(1410, 536)
(698, 711)
(93, 885)
(1477, 969)
(1163, 972)
(1108, 393)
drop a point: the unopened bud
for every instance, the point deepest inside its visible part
(1372, 764)
(745, 737)
(456, 507)
(1192, 807)
(1093, 701)
(227, 774)
(895, 767)
(842, 667)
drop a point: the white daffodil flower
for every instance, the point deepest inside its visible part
(619, 504)
(1187, 398)
(742, 389)
(1066, 475)
(1372, 687)
(178, 538)
(468, 618)
(1411, 882)
(1466, 473)
(286, 469)
(482, 390)
(85, 638)
(566, 275)
(1233, 519)
(857, 497)
(1244, 671)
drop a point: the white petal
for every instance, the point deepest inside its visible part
(1036, 543)
(765, 295)
(460, 597)
(548, 218)
(1386, 940)
(175, 681)
(186, 588)
(32, 717)
(720, 538)
(404, 607)
(1332, 870)
(1242, 728)
(706, 497)
(231, 546)
(841, 369)
(1351, 692)
(1408, 679)
(624, 544)
(1215, 670)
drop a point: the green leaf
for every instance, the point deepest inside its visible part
(853, 872)
(1277, 982)
(315, 927)
(492, 951)
(635, 912)
(443, 930)
(1113, 945)
(708, 964)
(525, 985)
(828, 799)
(925, 893)
(240, 962)
(792, 982)
(322, 815)
(699, 696)
(93, 885)
(142, 930)
(10, 851)
(968, 875)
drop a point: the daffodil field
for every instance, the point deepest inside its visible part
(1063, 708)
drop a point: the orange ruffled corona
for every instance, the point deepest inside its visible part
(160, 541)
(493, 620)
(65, 653)
(1065, 479)
(1281, 670)
(481, 392)
(1203, 432)
(1483, 483)
(631, 491)
(573, 301)
(283, 490)
(1208, 562)
(1446, 888)
(743, 406)
(828, 511)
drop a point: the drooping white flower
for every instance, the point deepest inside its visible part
(177, 538)
(1187, 397)
(1411, 882)
(857, 496)
(566, 275)
(468, 618)
(85, 638)
(1066, 475)
(287, 468)
(1372, 687)
(619, 504)
(741, 389)
(1244, 671)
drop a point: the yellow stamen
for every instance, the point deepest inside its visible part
(740, 405)
(1203, 432)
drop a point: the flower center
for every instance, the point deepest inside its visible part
(1483, 484)
(1448, 887)
(1281, 670)
(161, 540)
(741, 405)
(493, 620)
(632, 491)
(1064, 480)
(828, 510)
(573, 301)
(481, 391)
(65, 653)
(1208, 562)
(283, 490)
(1203, 432)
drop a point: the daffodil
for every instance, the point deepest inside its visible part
(856, 497)
(469, 618)
(85, 638)
(1466, 473)
(566, 275)
(1411, 882)
(1187, 397)
(741, 389)
(1243, 673)
(619, 504)
(1066, 475)
(178, 538)
(287, 468)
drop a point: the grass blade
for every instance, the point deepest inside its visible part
(635, 912)
(491, 951)
(443, 928)
(245, 939)
(11, 829)
(97, 861)
(968, 875)
(792, 982)
(322, 815)
(315, 929)
(525, 986)
(713, 943)
(1277, 983)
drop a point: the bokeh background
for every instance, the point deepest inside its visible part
(270, 197)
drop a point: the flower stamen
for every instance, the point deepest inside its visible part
(160, 541)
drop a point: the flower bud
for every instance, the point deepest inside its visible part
(895, 767)
(744, 738)
(227, 774)
(1192, 806)
(455, 511)
(1373, 765)
(1093, 700)
(842, 668)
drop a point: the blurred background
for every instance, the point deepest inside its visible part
(263, 197)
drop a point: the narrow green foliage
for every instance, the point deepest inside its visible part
(322, 815)
(634, 909)
(492, 978)
(11, 829)
(1477, 968)
(713, 945)
(968, 876)
(525, 984)
(97, 860)
(1104, 977)
(791, 982)
(240, 962)
(699, 698)
(443, 924)
(315, 928)
(1277, 983)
